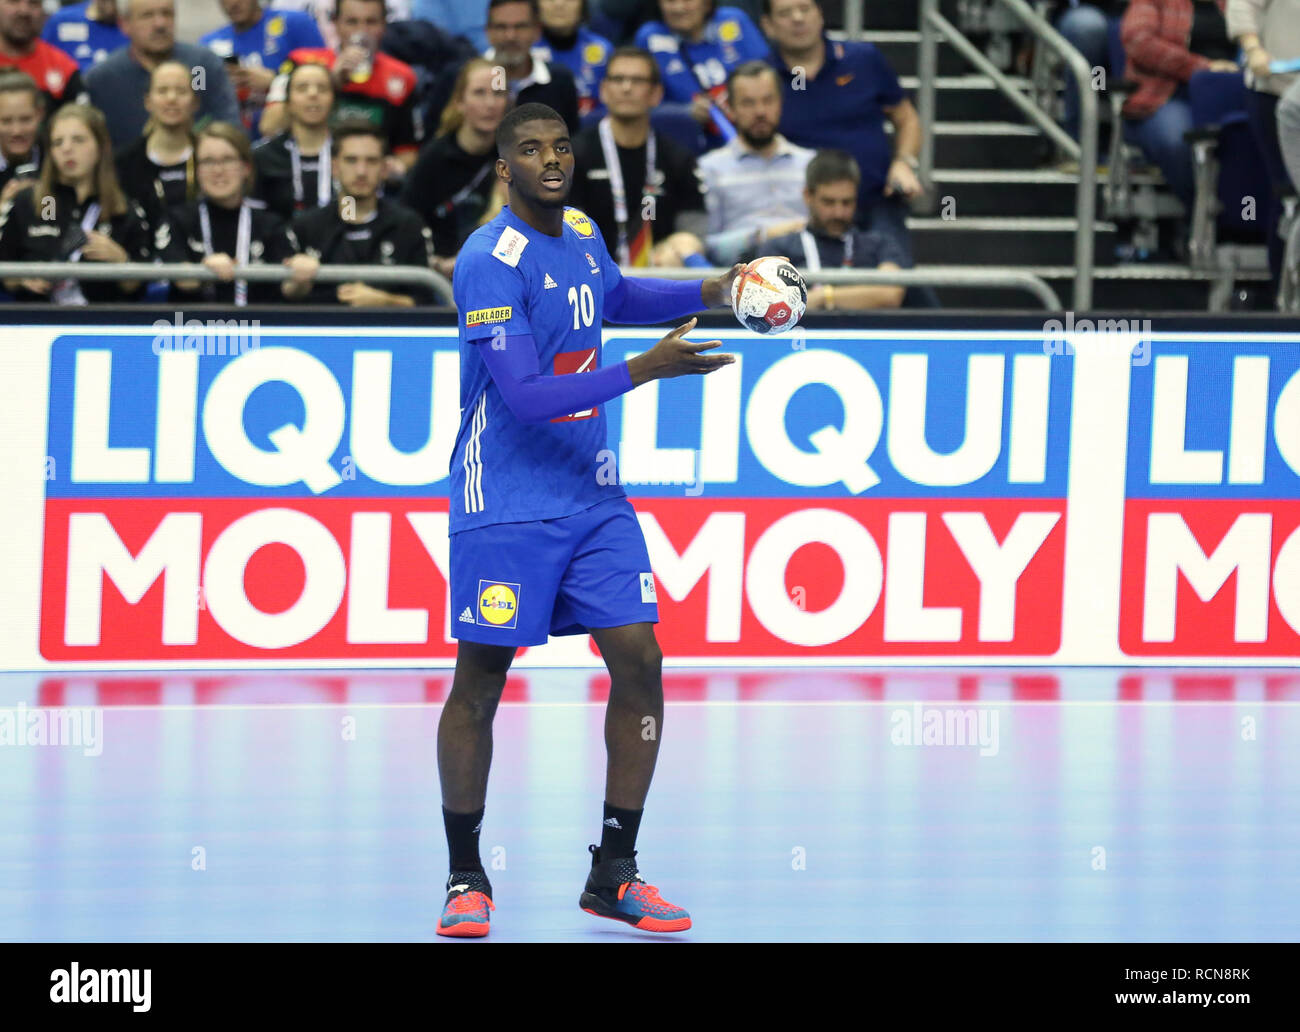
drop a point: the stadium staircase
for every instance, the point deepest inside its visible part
(1009, 203)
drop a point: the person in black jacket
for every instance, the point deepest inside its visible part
(225, 230)
(293, 167)
(451, 186)
(75, 212)
(22, 110)
(157, 170)
(364, 228)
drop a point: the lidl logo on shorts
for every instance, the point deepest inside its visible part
(648, 588)
(498, 604)
(482, 316)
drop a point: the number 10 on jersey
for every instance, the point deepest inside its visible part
(584, 306)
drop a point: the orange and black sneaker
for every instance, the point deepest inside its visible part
(469, 898)
(616, 890)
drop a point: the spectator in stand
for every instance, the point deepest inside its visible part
(226, 230)
(840, 95)
(697, 45)
(1288, 130)
(53, 71)
(294, 167)
(86, 32)
(1166, 42)
(754, 185)
(1268, 30)
(323, 13)
(567, 41)
(1087, 27)
(254, 45)
(157, 170)
(364, 228)
(368, 83)
(514, 28)
(453, 186)
(832, 241)
(22, 109)
(118, 84)
(466, 18)
(640, 188)
(75, 212)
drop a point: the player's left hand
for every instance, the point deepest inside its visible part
(717, 291)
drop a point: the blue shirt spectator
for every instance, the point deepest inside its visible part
(585, 55)
(696, 51)
(260, 40)
(459, 17)
(86, 32)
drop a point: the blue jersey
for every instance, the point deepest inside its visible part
(266, 45)
(730, 38)
(586, 59)
(511, 280)
(86, 42)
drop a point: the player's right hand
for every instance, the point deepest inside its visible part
(675, 356)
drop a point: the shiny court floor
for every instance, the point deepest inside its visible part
(788, 805)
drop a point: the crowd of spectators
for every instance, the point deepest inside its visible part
(309, 132)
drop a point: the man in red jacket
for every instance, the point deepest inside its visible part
(55, 73)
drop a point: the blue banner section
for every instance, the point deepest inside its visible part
(304, 415)
(1216, 419)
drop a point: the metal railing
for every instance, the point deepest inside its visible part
(930, 276)
(145, 272)
(933, 26)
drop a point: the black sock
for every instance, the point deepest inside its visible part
(462, 838)
(618, 832)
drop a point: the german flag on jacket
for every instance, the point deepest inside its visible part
(386, 97)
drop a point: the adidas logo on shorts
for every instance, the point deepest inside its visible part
(467, 616)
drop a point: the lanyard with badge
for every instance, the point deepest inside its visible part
(635, 251)
(68, 291)
(243, 243)
(813, 259)
(324, 178)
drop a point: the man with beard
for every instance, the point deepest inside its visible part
(53, 71)
(541, 542)
(363, 228)
(754, 185)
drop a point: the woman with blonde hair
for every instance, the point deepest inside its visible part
(452, 186)
(157, 170)
(226, 230)
(75, 211)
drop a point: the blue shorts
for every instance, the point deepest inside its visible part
(517, 583)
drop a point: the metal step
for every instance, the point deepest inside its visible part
(1006, 145)
(900, 49)
(968, 98)
(1011, 192)
(986, 240)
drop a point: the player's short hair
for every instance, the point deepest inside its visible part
(752, 70)
(641, 54)
(14, 81)
(831, 166)
(352, 127)
(383, 7)
(767, 6)
(520, 115)
(533, 9)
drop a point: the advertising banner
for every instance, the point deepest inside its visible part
(221, 496)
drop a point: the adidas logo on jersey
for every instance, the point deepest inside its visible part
(550, 283)
(467, 616)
